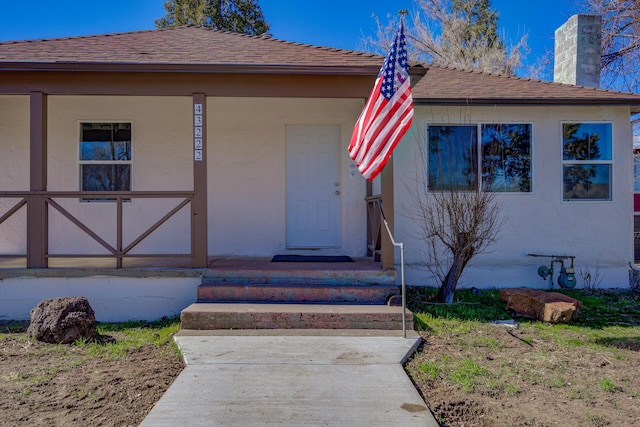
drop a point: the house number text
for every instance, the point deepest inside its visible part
(197, 132)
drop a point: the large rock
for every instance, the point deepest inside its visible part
(62, 320)
(542, 305)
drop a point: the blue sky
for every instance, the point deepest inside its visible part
(335, 23)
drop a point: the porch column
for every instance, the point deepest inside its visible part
(199, 204)
(37, 231)
(387, 258)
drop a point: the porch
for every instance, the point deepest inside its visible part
(217, 266)
(231, 292)
(142, 254)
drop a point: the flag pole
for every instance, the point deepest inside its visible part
(402, 284)
(385, 119)
(403, 13)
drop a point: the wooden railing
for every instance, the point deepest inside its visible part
(374, 227)
(41, 200)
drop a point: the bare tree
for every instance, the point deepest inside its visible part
(456, 222)
(620, 45)
(453, 33)
(620, 42)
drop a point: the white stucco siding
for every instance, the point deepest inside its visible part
(599, 234)
(246, 144)
(14, 142)
(162, 153)
(114, 299)
(14, 173)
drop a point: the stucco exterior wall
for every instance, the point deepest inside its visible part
(246, 143)
(114, 299)
(599, 234)
(161, 160)
(14, 173)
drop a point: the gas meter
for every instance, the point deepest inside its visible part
(566, 277)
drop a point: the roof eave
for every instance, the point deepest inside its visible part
(290, 69)
(633, 102)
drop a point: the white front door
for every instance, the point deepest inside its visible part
(313, 186)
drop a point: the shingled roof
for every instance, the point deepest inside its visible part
(181, 46)
(443, 85)
(203, 50)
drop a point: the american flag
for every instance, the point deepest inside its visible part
(387, 114)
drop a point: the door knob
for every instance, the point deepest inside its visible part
(337, 192)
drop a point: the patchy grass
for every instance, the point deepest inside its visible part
(608, 385)
(474, 372)
(469, 304)
(601, 308)
(12, 327)
(112, 379)
(116, 340)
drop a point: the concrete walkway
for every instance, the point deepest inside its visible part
(293, 378)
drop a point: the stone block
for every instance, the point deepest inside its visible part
(551, 307)
(62, 320)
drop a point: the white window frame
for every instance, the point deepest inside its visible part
(428, 155)
(609, 162)
(478, 126)
(104, 162)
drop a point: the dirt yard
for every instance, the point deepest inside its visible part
(67, 385)
(479, 368)
(495, 376)
(471, 374)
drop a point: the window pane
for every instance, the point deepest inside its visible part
(506, 157)
(453, 157)
(105, 141)
(122, 132)
(586, 141)
(587, 181)
(106, 177)
(96, 150)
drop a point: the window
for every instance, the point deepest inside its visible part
(105, 157)
(496, 155)
(586, 161)
(453, 157)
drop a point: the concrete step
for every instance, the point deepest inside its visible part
(211, 316)
(298, 293)
(301, 276)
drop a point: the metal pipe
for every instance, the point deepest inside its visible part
(403, 286)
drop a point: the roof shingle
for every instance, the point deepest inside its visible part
(443, 84)
(180, 45)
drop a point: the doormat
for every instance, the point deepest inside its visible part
(311, 258)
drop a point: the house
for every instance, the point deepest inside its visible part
(191, 144)
(557, 154)
(547, 211)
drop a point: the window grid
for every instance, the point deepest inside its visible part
(502, 158)
(105, 157)
(587, 161)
